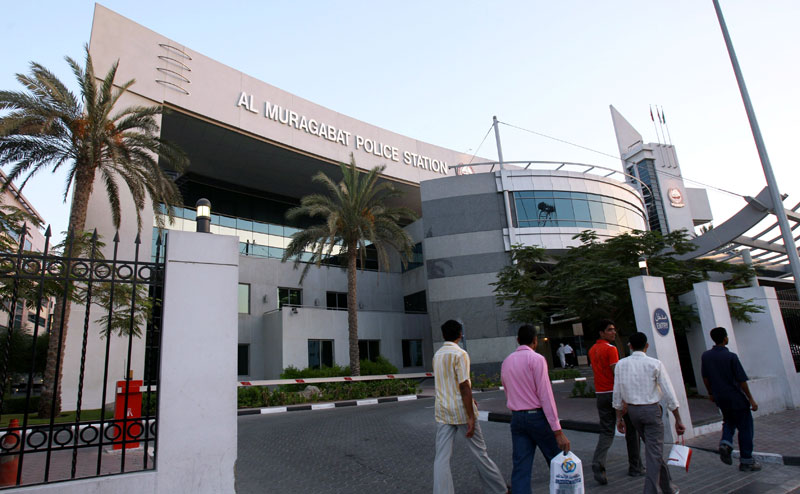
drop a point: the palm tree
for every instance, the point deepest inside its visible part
(354, 213)
(47, 126)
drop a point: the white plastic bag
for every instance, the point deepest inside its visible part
(680, 455)
(566, 474)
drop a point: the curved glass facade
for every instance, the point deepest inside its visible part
(556, 208)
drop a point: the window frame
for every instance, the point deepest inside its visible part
(239, 301)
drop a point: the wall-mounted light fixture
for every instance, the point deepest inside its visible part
(203, 206)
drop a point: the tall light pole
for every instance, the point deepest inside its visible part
(772, 184)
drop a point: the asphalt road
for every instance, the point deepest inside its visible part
(389, 448)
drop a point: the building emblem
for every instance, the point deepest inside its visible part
(661, 321)
(464, 170)
(675, 197)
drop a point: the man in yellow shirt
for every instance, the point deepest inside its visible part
(455, 410)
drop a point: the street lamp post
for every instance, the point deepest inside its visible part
(203, 206)
(772, 184)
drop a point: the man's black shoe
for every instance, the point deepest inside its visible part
(725, 454)
(750, 467)
(600, 477)
(636, 473)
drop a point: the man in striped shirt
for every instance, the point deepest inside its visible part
(455, 410)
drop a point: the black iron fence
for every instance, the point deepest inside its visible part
(790, 310)
(116, 313)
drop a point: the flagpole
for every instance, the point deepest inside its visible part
(658, 137)
(772, 184)
(664, 121)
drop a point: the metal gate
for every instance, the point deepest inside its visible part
(790, 310)
(121, 301)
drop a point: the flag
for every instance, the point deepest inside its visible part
(651, 114)
(659, 116)
(663, 117)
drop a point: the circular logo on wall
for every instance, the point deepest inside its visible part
(568, 465)
(464, 170)
(675, 197)
(661, 321)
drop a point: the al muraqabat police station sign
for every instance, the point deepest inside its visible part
(322, 130)
(661, 321)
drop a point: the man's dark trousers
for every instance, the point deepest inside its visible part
(608, 421)
(742, 420)
(529, 429)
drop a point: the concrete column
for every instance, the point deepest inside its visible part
(197, 405)
(649, 298)
(764, 353)
(711, 304)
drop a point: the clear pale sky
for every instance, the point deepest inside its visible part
(438, 71)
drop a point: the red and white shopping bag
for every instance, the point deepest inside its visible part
(680, 455)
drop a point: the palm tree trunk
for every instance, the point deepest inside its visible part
(54, 367)
(352, 310)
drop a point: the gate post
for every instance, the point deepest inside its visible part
(197, 395)
(712, 309)
(765, 354)
(649, 300)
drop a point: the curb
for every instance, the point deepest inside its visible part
(326, 406)
(575, 425)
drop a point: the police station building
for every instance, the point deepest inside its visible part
(253, 150)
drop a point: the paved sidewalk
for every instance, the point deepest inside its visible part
(776, 434)
(390, 448)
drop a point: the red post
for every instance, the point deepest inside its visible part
(133, 428)
(9, 464)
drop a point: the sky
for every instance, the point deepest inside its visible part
(438, 72)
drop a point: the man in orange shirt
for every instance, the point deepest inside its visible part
(604, 356)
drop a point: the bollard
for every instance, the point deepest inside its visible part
(9, 462)
(133, 427)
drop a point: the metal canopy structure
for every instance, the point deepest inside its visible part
(755, 228)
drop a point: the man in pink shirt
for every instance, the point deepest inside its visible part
(534, 418)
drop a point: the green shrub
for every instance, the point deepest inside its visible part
(149, 403)
(379, 367)
(251, 396)
(292, 372)
(17, 405)
(259, 396)
(581, 390)
(564, 374)
(483, 382)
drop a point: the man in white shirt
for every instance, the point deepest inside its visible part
(562, 356)
(640, 384)
(568, 354)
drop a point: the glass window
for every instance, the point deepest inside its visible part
(243, 224)
(596, 210)
(581, 211)
(320, 353)
(415, 302)
(244, 360)
(260, 227)
(336, 300)
(227, 221)
(369, 349)
(416, 259)
(289, 296)
(244, 298)
(412, 353)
